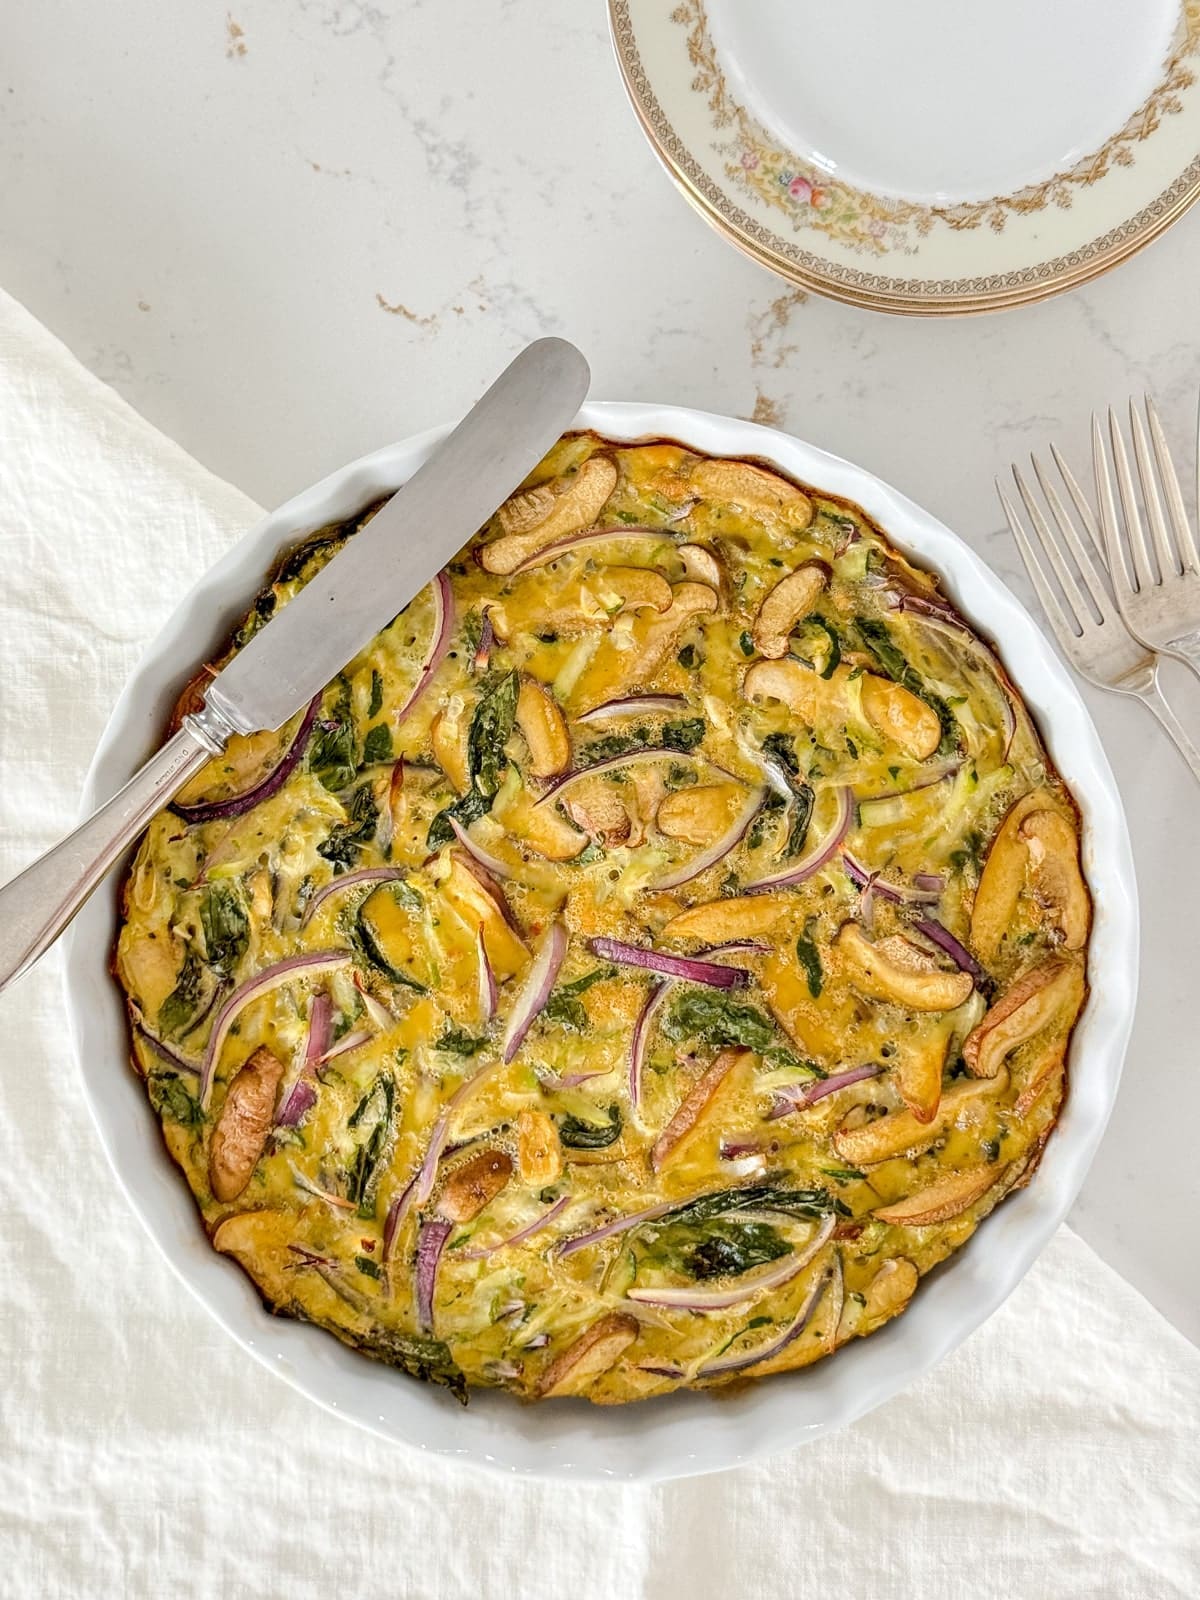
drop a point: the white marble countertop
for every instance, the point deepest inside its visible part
(302, 229)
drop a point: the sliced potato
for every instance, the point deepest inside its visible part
(1021, 1013)
(448, 731)
(896, 971)
(593, 1353)
(543, 729)
(889, 1292)
(474, 1184)
(695, 1105)
(1051, 1068)
(753, 489)
(241, 1130)
(788, 603)
(700, 814)
(901, 1134)
(918, 1074)
(539, 1153)
(719, 921)
(941, 1200)
(1053, 847)
(506, 949)
(552, 511)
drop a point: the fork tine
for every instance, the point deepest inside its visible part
(1087, 571)
(1164, 554)
(1067, 633)
(1072, 594)
(1144, 578)
(1118, 557)
(1086, 515)
(1170, 482)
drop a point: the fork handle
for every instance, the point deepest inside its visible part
(1176, 732)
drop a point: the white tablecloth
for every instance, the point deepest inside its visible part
(141, 1452)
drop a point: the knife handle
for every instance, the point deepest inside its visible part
(38, 904)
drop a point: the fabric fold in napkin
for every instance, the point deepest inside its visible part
(142, 1452)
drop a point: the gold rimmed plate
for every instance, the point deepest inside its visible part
(928, 158)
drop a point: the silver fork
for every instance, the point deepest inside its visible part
(1086, 620)
(1156, 584)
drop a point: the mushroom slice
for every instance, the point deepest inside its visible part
(553, 511)
(753, 489)
(719, 921)
(598, 809)
(478, 909)
(241, 1130)
(632, 589)
(1050, 1069)
(948, 1197)
(694, 1105)
(474, 1185)
(788, 603)
(701, 565)
(1003, 878)
(889, 1292)
(919, 1074)
(539, 1153)
(592, 1354)
(901, 1134)
(1054, 868)
(900, 716)
(896, 971)
(892, 710)
(1021, 1013)
(688, 601)
(541, 723)
(791, 682)
(549, 834)
(701, 814)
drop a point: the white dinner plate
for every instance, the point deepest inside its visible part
(929, 156)
(685, 1433)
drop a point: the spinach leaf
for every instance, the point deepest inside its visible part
(226, 927)
(782, 751)
(347, 838)
(616, 744)
(373, 1112)
(564, 1005)
(579, 1135)
(465, 810)
(809, 958)
(457, 1042)
(879, 642)
(685, 734)
(717, 1019)
(179, 1009)
(377, 746)
(729, 1247)
(427, 1359)
(757, 1197)
(362, 937)
(491, 728)
(369, 1268)
(376, 705)
(331, 753)
(172, 1100)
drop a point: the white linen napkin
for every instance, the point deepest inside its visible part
(141, 1452)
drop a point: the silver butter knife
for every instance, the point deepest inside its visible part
(338, 612)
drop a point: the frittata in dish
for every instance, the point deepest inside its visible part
(656, 951)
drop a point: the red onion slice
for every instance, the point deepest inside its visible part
(336, 1201)
(940, 617)
(489, 998)
(518, 1238)
(899, 894)
(271, 978)
(538, 986)
(637, 705)
(431, 1241)
(631, 758)
(577, 541)
(798, 1097)
(171, 1057)
(396, 1213)
(303, 1094)
(945, 940)
(349, 880)
(719, 849)
(237, 805)
(348, 1042)
(640, 1040)
(439, 643)
(791, 1333)
(482, 857)
(381, 1018)
(620, 1225)
(487, 638)
(771, 1277)
(687, 967)
(816, 858)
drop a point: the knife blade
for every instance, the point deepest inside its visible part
(405, 544)
(289, 660)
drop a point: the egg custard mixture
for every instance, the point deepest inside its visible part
(650, 956)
